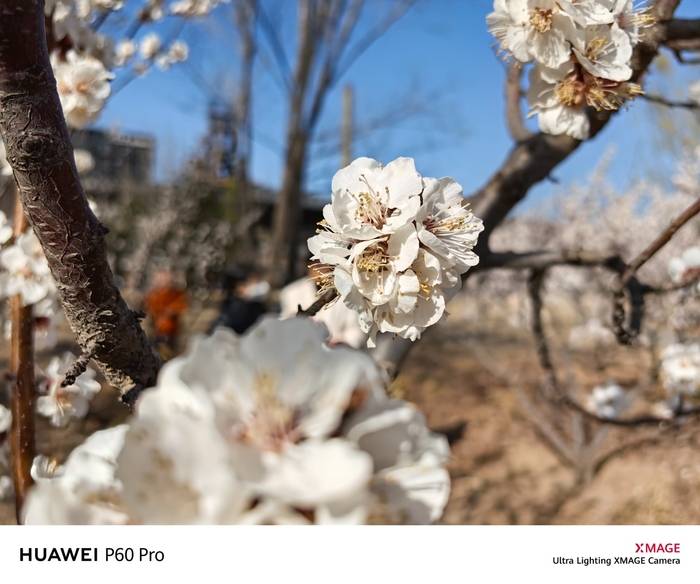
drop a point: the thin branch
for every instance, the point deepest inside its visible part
(514, 111)
(22, 445)
(661, 100)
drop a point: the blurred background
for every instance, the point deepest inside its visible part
(185, 166)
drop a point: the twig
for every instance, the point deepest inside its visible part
(660, 100)
(316, 307)
(514, 112)
(23, 392)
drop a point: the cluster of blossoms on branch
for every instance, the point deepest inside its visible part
(393, 244)
(581, 50)
(84, 59)
(271, 427)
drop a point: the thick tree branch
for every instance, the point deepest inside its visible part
(41, 156)
(680, 34)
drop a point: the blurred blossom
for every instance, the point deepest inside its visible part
(5, 229)
(25, 271)
(270, 427)
(63, 404)
(394, 245)
(125, 50)
(45, 468)
(5, 419)
(150, 45)
(608, 401)
(680, 369)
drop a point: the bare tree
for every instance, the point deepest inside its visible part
(326, 48)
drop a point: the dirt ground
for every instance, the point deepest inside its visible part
(502, 469)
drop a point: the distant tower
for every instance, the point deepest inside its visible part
(220, 141)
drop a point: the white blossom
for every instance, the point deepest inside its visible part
(5, 229)
(150, 45)
(392, 244)
(608, 401)
(83, 86)
(5, 168)
(194, 7)
(686, 267)
(5, 419)
(532, 29)
(270, 427)
(45, 468)
(63, 404)
(124, 52)
(680, 369)
(25, 271)
(6, 488)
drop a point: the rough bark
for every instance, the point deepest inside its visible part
(41, 156)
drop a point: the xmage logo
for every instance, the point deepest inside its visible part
(658, 548)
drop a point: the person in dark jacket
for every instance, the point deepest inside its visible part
(244, 301)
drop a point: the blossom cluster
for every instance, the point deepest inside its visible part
(393, 244)
(274, 427)
(84, 61)
(581, 50)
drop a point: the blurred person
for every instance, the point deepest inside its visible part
(341, 322)
(245, 296)
(165, 304)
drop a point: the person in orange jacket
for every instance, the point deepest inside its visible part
(165, 304)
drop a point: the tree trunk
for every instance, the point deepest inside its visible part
(40, 153)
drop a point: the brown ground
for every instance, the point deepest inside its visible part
(503, 472)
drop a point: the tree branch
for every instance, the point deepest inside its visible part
(514, 111)
(40, 153)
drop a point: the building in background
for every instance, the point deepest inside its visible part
(119, 160)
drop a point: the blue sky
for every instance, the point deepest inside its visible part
(441, 54)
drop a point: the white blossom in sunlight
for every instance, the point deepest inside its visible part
(5, 419)
(194, 7)
(273, 426)
(581, 50)
(25, 271)
(83, 86)
(394, 244)
(150, 45)
(532, 29)
(63, 404)
(124, 52)
(608, 401)
(560, 96)
(680, 369)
